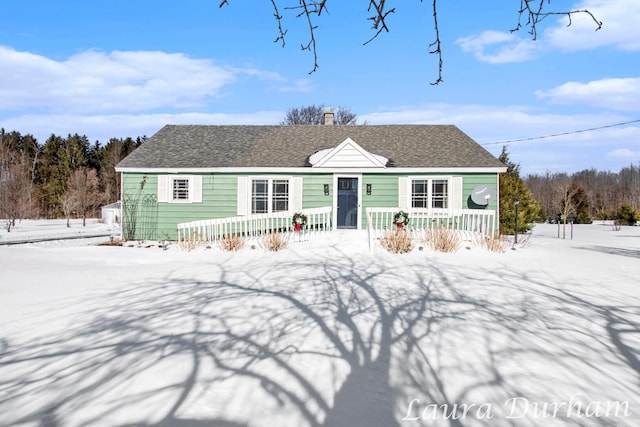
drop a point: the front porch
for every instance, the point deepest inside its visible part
(469, 223)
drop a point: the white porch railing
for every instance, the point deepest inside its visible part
(469, 222)
(252, 226)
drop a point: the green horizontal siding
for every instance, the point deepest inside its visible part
(384, 189)
(219, 193)
(471, 182)
(313, 191)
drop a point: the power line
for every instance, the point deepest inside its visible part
(560, 134)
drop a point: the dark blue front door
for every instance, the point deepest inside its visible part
(347, 203)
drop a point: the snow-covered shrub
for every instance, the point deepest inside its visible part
(495, 243)
(192, 242)
(443, 239)
(231, 242)
(398, 241)
(274, 241)
(111, 242)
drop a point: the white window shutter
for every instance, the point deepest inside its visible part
(163, 188)
(243, 195)
(195, 189)
(404, 192)
(456, 193)
(295, 194)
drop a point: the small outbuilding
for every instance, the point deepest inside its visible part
(112, 214)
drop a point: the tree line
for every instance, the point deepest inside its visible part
(563, 198)
(589, 194)
(60, 178)
(69, 176)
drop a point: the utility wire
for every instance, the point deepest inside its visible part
(560, 134)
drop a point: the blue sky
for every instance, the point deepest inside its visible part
(121, 68)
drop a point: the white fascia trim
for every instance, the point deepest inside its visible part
(310, 170)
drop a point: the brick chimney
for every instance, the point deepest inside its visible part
(328, 117)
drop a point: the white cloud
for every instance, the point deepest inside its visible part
(624, 153)
(498, 47)
(103, 127)
(620, 27)
(97, 82)
(615, 93)
(300, 85)
(487, 124)
(519, 127)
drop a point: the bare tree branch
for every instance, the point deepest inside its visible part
(311, 46)
(281, 31)
(436, 43)
(378, 19)
(530, 14)
(535, 14)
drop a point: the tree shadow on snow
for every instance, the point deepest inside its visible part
(321, 341)
(632, 253)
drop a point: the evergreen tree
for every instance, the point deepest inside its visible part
(580, 202)
(94, 156)
(513, 188)
(60, 158)
(50, 187)
(625, 215)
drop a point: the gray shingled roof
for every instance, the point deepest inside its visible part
(410, 146)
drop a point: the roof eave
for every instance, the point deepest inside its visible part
(310, 170)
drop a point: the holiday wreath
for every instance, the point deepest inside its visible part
(299, 220)
(401, 217)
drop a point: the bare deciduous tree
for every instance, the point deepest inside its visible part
(68, 202)
(530, 15)
(605, 191)
(564, 195)
(16, 185)
(82, 193)
(15, 194)
(314, 115)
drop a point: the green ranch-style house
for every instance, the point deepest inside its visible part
(210, 180)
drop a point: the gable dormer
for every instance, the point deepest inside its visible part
(347, 155)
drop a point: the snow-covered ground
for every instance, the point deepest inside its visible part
(324, 333)
(35, 230)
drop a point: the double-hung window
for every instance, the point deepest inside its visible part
(269, 195)
(180, 188)
(420, 193)
(439, 193)
(280, 195)
(429, 192)
(260, 196)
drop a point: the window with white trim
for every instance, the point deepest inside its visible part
(180, 189)
(440, 193)
(280, 195)
(430, 193)
(269, 195)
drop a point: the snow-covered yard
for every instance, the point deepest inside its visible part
(34, 231)
(324, 333)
